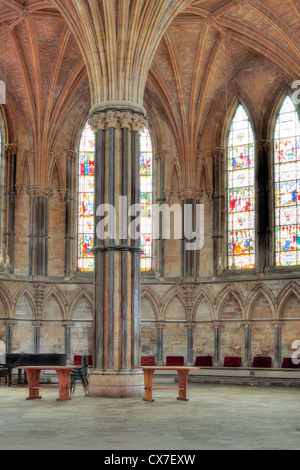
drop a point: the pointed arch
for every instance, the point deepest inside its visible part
(78, 294)
(225, 295)
(27, 291)
(54, 293)
(271, 106)
(153, 299)
(7, 301)
(174, 178)
(260, 290)
(171, 294)
(55, 174)
(290, 290)
(202, 293)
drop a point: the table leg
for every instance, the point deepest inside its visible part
(64, 384)
(148, 375)
(182, 384)
(33, 377)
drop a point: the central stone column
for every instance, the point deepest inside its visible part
(117, 255)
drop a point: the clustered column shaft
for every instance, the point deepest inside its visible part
(117, 258)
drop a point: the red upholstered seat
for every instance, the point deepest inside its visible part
(147, 361)
(232, 361)
(174, 361)
(203, 361)
(262, 361)
(78, 359)
(287, 363)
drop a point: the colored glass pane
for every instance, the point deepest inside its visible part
(146, 172)
(241, 192)
(86, 200)
(287, 185)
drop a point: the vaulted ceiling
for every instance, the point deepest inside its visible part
(206, 46)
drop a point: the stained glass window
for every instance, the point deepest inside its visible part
(146, 200)
(241, 192)
(86, 200)
(287, 185)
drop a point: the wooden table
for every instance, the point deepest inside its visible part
(63, 373)
(182, 373)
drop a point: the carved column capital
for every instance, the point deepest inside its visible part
(68, 324)
(97, 122)
(10, 322)
(125, 119)
(71, 154)
(217, 152)
(160, 324)
(139, 123)
(190, 193)
(189, 325)
(19, 189)
(11, 149)
(161, 155)
(112, 119)
(39, 191)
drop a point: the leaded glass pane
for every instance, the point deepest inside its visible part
(146, 171)
(86, 200)
(241, 192)
(287, 185)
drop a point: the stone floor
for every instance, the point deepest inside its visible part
(216, 417)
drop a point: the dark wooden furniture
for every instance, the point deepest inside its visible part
(4, 373)
(63, 373)
(17, 360)
(182, 373)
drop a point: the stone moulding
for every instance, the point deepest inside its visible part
(119, 106)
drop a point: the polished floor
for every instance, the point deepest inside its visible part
(217, 417)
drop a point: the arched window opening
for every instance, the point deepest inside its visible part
(287, 185)
(86, 200)
(241, 192)
(146, 171)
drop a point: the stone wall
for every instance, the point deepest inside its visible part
(230, 307)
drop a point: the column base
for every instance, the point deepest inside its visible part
(116, 384)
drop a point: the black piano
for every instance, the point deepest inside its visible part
(25, 359)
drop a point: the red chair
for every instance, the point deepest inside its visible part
(232, 361)
(78, 359)
(204, 361)
(287, 363)
(147, 361)
(265, 362)
(174, 361)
